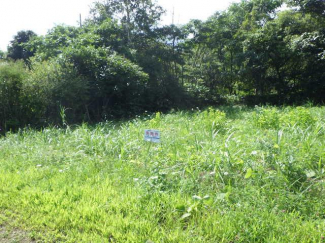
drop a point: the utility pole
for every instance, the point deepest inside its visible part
(80, 20)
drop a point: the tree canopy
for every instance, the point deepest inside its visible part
(123, 61)
(17, 50)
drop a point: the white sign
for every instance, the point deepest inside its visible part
(152, 136)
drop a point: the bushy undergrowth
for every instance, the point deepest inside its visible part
(11, 83)
(90, 84)
(231, 174)
(289, 117)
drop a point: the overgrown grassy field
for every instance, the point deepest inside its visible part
(231, 174)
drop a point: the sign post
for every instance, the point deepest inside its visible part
(152, 136)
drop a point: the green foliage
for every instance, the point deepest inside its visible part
(57, 84)
(116, 85)
(133, 14)
(256, 51)
(266, 117)
(121, 62)
(12, 76)
(299, 116)
(63, 37)
(309, 6)
(92, 84)
(214, 120)
(273, 118)
(17, 50)
(33, 97)
(104, 183)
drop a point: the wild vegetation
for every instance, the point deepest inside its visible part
(122, 62)
(74, 166)
(233, 174)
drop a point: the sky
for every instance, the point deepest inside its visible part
(42, 15)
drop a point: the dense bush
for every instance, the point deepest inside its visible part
(12, 76)
(213, 120)
(34, 97)
(115, 84)
(272, 118)
(56, 85)
(299, 116)
(266, 118)
(86, 84)
(121, 62)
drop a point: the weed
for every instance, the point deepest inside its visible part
(254, 176)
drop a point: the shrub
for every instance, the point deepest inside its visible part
(299, 116)
(12, 75)
(57, 84)
(266, 117)
(213, 119)
(116, 85)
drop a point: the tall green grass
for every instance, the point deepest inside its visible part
(231, 174)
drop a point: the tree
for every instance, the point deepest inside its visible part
(17, 50)
(51, 45)
(157, 50)
(309, 6)
(136, 16)
(216, 58)
(311, 55)
(115, 84)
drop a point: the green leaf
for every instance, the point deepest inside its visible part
(181, 208)
(249, 173)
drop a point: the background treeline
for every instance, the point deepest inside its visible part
(122, 62)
